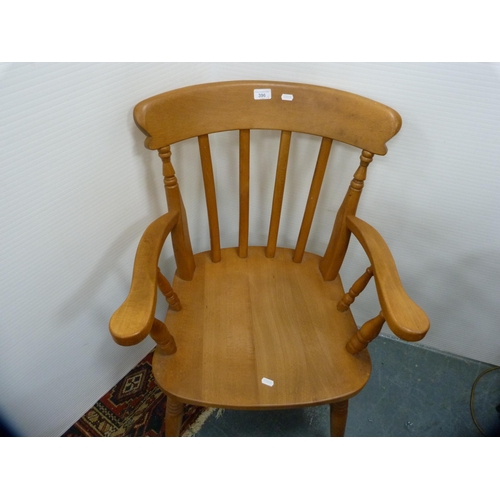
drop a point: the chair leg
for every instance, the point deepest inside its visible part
(173, 417)
(338, 418)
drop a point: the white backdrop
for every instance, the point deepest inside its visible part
(78, 188)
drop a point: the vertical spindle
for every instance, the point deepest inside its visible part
(211, 199)
(180, 234)
(339, 241)
(312, 200)
(244, 192)
(279, 188)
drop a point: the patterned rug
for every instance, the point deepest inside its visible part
(135, 407)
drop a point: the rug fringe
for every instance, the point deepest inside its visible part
(195, 427)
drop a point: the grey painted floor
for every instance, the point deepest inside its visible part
(413, 391)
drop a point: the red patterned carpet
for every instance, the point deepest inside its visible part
(134, 407)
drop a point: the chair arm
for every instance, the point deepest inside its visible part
(133, 320)
(405, 318)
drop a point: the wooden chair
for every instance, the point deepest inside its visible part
(262, 327)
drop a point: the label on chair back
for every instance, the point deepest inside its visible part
(262, 94)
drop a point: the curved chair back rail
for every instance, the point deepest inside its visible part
(310, 109)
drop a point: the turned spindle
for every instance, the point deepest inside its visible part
(166, 289)
(180, 234)
(339, 240)
(356, 289)
(359, 178)
(365, 334)
(163, 338)
(169, 178)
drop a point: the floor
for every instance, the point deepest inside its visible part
(413, 391)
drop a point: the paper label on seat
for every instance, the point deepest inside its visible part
(267, 381)
(287, 97)
(261, 94)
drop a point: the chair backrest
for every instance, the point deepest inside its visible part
(201, 110)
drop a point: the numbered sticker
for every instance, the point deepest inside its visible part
(287, 97)
(267, 381)
(261, 94)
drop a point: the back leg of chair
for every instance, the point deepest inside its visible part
(338, 418)
(173, 417)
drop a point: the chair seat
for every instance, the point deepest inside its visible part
(245, 319)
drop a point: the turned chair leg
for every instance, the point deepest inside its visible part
(173, 417)
(338, 418)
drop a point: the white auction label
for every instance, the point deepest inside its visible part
(287, 97)
(267, 381)
(262, 94)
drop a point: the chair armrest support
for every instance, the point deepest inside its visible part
(405, 318)
(133, 320)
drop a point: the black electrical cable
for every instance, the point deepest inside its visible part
(479, 377)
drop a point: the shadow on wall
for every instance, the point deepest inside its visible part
(6, 430)
(109, 266)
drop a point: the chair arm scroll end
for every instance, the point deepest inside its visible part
(403, 316)
(133, 320)
(130, 325)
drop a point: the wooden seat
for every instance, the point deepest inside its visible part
(283, 324)
(262, 327)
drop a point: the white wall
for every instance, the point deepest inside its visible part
(79, 188)
(77, 191)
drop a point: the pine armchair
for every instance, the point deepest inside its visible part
(262, 327)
